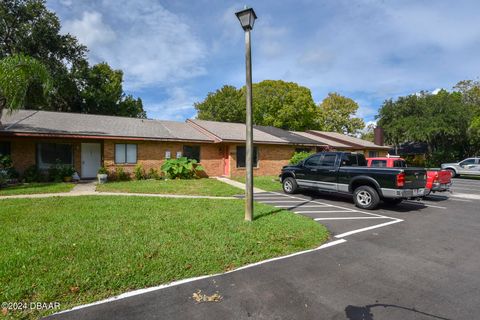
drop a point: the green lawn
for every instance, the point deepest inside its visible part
(267, 183)
(199, 187)
(82, 249)
(36, 187)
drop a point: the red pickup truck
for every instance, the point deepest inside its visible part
(437, 180)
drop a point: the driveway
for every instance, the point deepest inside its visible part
(426, 266)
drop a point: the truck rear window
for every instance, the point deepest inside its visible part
(354, 160)
(399, 164)
(379, 163)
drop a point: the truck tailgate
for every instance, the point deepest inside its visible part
(415, 178)
(444, 177)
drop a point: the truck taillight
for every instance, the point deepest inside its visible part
(401, 179)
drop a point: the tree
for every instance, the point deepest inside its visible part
(103, 93)
(22, 80)
(285, 105)
(226, 104)
(441, 120)
(336, 113)
(275, 103)
(368, 133)
(28, 27)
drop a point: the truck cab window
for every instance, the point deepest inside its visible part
(312, 161)
(328, 160)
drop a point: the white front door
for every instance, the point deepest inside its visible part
(91, 159)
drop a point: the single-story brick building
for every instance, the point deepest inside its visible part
(89, 141)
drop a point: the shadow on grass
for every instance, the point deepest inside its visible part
(266, 214)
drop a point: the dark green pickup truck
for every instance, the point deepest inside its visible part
(347, 172)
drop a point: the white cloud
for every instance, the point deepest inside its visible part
(153, 46)
(90, 30)
(178, 105)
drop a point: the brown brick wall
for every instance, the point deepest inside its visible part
(23, 151)
(271, 159)
(151, 154)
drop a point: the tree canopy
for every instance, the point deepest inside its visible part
(281, 104)
(336, 114)
(441, 120)
(27, 27)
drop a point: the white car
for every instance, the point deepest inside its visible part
(469, 166)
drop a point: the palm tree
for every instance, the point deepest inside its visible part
(18, 74)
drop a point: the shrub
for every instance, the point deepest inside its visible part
(102, 170)
(121, 175)
(181, 168)
(299, 156)
(32, 174)
(139, 172)
(3, 177)
(153, 174)
(67, 171)
(6, 165)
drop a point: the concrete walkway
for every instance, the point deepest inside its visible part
(238, 184)
(88, 188)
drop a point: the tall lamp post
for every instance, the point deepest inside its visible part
(247, 18)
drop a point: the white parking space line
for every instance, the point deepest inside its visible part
(334, 206)
(348, 218)
(446, 198)
(301, 206)
(327, 211)
(368, 228)
(466, 188)
(285, 201)
(420, 203)
(466, 196)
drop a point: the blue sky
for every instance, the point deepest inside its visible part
(174, 52)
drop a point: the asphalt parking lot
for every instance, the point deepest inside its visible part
(417, 260)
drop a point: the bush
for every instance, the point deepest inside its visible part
(3, 177)
(121, 175)
(139, 172)
(153, 174)
(299, 156)
(102, 170)
(6, 166)
(181, 168)
(32, 174)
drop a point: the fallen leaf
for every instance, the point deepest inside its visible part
(199, 297)
(74, 289)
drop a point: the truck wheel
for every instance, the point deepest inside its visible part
(366, 197)
(290, 185)
(392, 202)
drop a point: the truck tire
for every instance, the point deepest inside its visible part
(366, 197)
(290, 186)
(392, 201)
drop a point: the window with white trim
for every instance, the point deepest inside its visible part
(125, 153)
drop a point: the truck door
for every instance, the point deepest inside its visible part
(307, 174)
(326, 175)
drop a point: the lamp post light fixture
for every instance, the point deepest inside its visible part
(247, 18)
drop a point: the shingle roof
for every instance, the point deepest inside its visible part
(323, 141)
(235, 131)
(347, 139)
(62, 123)
(289, 136)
